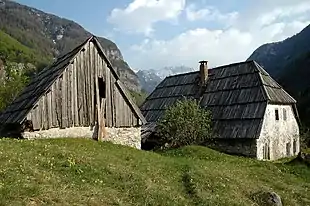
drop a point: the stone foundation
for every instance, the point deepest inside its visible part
(242, 147)
(124, 136)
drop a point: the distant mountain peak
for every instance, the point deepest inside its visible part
(149, 79)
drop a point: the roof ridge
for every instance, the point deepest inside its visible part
(181, 74)
(262, 71)
(233, 64)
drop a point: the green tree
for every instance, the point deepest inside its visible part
(185, 123)
(12, 83)
(138, 97)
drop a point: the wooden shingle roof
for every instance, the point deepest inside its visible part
(16, 112)
(237, 95)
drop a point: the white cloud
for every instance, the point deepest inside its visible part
(284, 12)
(209, 14)
(141, 15)
(274, 22)
(194, 45)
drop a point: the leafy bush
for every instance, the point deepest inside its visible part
(12, 84)
(185, 123)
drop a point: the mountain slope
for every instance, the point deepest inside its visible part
(13, 51)
(295, 78)
(275, 56)
(51, 36)
(148, 80)
(288, 62)
(86, 172)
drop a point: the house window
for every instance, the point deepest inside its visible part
(266, 152)
(288, 149)
(284, 114)
(277, 114)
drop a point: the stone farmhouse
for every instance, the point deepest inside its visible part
(252, 114)
(79, 95)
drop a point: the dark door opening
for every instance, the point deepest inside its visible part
(102, 87)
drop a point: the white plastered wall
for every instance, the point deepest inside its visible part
(281, 136)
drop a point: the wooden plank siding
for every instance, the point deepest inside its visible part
(71, 100)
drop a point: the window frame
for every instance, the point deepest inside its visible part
(277, 114)
(284, 114)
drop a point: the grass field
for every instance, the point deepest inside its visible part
(85, 172)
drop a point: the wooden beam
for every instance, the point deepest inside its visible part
(98, 104)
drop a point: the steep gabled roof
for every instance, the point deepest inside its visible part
(16, 112)
(169, 91)
(237, 95)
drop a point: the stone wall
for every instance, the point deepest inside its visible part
(242, 147)
(124, 136)
(278, 138)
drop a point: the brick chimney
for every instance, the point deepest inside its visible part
(203, 68)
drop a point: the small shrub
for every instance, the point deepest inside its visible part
(185, 123)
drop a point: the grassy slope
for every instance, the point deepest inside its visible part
(12, 50)
(81, 172)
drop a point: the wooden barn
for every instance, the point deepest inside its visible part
(79, 95)
(252, 114)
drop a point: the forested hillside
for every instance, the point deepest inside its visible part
(289, 63)
(276, 56)
(49, 36)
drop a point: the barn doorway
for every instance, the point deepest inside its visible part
(102, 87)
(101, 107)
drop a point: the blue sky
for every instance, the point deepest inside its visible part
(156, 33)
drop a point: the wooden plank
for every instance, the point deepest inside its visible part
(40, 121)
(104, 67)
(98, 104)
(59, 102)
(50, 112)
(92, 89)
(134, 108)
(54, 122)
(75, 93)
(69, 86)
(117, 108)
(64, 99)
(85, 84)
(99, 62)
(45, 114)
(70, 90)
(113, 100)
(126, 115)
(33, 119)
(108, 99)
(102, 129)
(80, 89)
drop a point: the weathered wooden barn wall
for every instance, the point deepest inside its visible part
(71, 101)
(278, 138)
